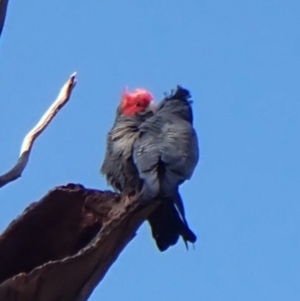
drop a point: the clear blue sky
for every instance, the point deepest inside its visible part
(241, 61)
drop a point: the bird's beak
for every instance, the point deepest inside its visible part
(152, 106)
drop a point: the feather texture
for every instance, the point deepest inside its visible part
(154, 153)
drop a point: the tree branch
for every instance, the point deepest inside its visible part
(29, 139)
(3, 8)
(61, 247)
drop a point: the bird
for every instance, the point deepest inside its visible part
(118, 167)
(151, 151)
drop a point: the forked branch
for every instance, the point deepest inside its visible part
(29, 139)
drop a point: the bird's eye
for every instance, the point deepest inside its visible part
(138, 104)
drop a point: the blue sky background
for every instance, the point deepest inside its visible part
(241, 61)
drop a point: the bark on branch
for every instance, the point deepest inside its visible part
(61, 247)
(3, 8)
(29, 139)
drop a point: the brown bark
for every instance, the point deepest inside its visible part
(61, 247)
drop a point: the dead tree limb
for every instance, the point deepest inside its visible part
(3, 9)
(29, 139)
(61, 247)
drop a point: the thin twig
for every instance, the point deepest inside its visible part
(29, 139)
(3, 7)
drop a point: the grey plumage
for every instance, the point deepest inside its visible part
(167, 141)
(166, 154)
(155, 154)
(118, 166)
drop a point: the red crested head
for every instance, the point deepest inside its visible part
(136, 102)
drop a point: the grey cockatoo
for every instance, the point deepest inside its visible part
(152, 152)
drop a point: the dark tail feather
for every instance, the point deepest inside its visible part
(167, 225)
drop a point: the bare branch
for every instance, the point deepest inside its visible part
(3, 7)
(62, 246)
(29, 139)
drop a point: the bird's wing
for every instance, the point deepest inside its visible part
(146, 156)
(166, 152)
